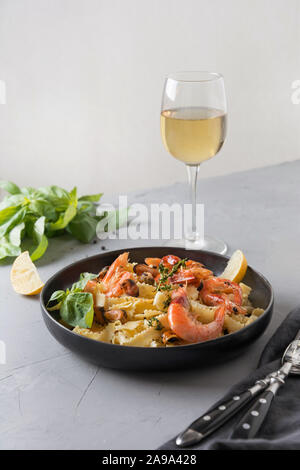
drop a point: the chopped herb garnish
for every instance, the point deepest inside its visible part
(166, 274)
(165, 287)
(155, 323)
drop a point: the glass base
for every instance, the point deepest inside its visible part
(208, 244)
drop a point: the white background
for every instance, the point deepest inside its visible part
(84, 81)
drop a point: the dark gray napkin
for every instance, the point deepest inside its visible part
(281, 429)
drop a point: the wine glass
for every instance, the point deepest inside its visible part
(193, 128)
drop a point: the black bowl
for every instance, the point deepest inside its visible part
(141, 358)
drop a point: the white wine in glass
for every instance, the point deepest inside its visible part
(193, 129)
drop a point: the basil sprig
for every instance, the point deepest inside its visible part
(31, 216)
(75, 306)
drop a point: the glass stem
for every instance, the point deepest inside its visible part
(193, 171)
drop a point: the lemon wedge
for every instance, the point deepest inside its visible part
(236, 267)
(24, 276)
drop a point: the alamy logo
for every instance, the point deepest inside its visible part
(2, 92)
(2, 352)
(155, 221)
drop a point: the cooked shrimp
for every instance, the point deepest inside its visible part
(183, 276)
(153, 261)
(191, 263)
(116, 276)
(192, 272)
(119, 263)
(91, 287)
(193, 275)
(216, 290)
(169, 261)
(185, 324)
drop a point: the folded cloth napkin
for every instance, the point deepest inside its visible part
(281, 429)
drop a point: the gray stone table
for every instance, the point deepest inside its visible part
(52, 399)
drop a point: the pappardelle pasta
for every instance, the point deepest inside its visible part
(162, 302)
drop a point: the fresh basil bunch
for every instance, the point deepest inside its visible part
(38, 214)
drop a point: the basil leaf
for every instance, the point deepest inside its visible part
(31, 193)
(15, 234)
(57, 296)
(42, 207)
(77, 309)
(7, 213)
(91, 198)
(29, 220)
(64, 219)
(73, 196)
(83, 279)
(86, 206)
(39, 238)
(83, 227)
(8, 249)
(10, 245)
(14, 200)
(10, 187)
(40, 250)
(16, 217)
(57, 196)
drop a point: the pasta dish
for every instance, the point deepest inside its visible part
(162, 302)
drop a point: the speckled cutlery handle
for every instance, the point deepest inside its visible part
(216, 417)
(252, 421)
